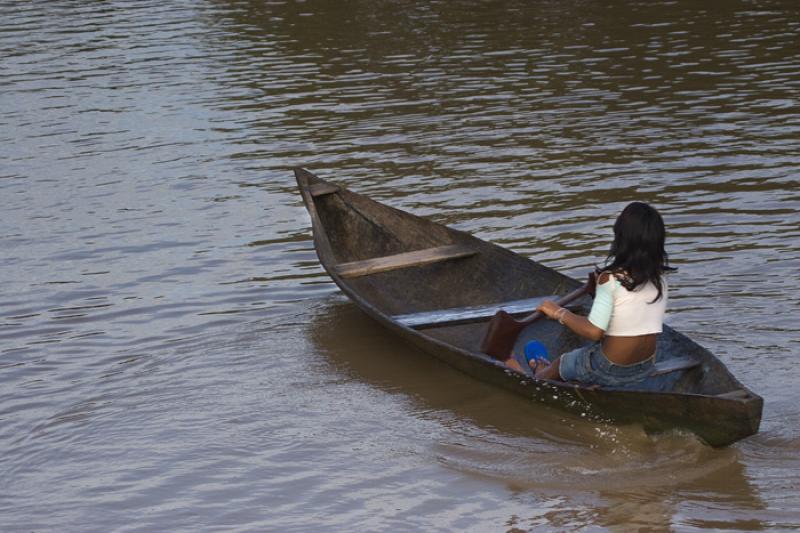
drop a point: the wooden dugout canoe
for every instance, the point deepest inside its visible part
(438, 287)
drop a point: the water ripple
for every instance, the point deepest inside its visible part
(172, 356)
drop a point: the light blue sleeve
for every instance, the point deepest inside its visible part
(603, 305)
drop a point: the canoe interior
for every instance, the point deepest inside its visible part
(359, 229)
(349, 227)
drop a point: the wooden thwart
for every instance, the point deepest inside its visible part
(320, 189)
(738, 394)
(409, 259)
(673, 364)
(458, 315)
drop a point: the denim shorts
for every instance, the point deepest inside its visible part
(589, 365)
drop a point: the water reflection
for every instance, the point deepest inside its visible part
(640, 481)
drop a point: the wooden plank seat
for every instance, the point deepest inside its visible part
(673, 364)
(405, 260)
(459, 315)
(321, 189)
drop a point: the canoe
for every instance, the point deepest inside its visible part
(437, 288)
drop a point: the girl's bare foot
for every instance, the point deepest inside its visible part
(538, 365)
(512, 363)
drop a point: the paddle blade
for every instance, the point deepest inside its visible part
(501, 335)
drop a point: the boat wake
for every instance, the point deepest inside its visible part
(621, 457)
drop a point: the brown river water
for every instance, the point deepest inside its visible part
(173, 357)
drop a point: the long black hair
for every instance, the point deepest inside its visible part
(637, 254)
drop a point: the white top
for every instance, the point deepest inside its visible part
(623, 313)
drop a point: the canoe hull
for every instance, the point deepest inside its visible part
(717, 421)
(720, 412)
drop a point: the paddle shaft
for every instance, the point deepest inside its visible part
(504, 329)
(561, 302)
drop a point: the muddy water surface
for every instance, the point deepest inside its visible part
(173, 357)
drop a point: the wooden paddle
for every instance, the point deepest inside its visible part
(504, 329)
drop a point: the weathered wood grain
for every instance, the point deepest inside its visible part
(409, 259)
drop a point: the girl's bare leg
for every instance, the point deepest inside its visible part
(547, 371)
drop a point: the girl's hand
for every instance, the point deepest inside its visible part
(549, 309)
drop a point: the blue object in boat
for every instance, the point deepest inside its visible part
(535, 351)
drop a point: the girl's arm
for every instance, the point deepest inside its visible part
(577, 323)
(594, 326)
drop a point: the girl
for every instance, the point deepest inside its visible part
(628, 310)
